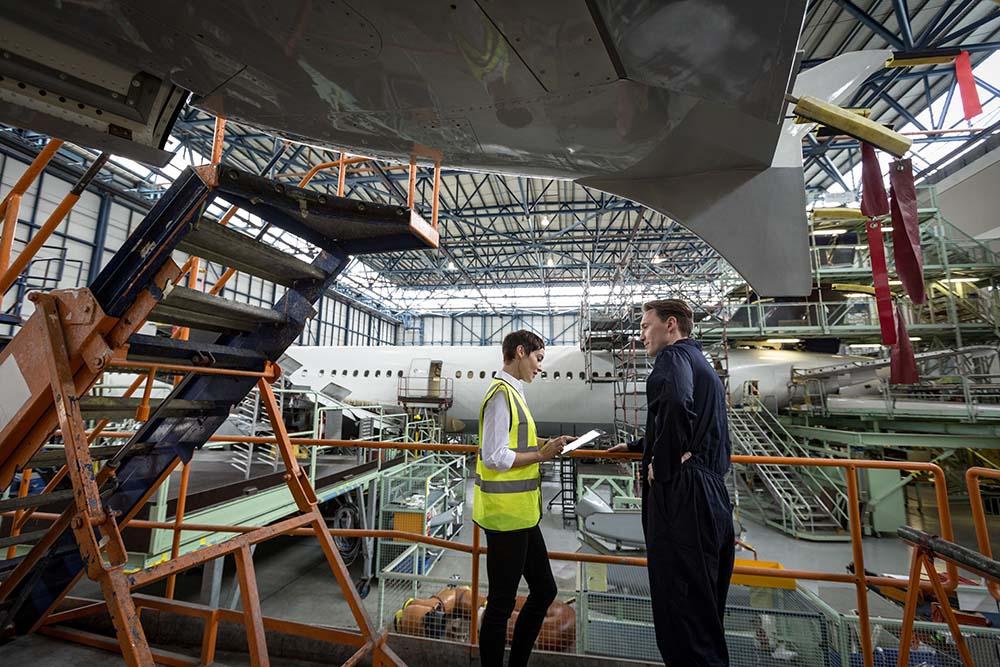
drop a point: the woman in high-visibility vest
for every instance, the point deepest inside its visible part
(507, 504)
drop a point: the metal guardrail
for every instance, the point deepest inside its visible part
(850, 468)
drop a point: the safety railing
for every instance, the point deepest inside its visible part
(849, 468)
(425, 389)
(972, 481)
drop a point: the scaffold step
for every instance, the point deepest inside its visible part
(23, 538)
(160, 349)
(103, 407)
(332, 223)
(35, 500)
(212, 241)
(57, 457)
(191, 308)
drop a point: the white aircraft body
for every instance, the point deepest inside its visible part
(561, 399)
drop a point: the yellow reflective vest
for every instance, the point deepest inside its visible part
(511, 499)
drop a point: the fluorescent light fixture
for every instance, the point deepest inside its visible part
(545, 220)
(960, 280)
(451, 266)
(887, 229)
(658, 260)
(895, 282)
(915, 338)
(548, 262)
(783, 340)
(828, 232)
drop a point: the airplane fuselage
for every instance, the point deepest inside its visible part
(566, 397)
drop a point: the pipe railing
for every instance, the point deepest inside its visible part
(972, 477)
(858, 578)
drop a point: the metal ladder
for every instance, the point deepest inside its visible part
(803, 502)
(96, 330)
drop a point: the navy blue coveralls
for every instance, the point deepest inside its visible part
(686, 511)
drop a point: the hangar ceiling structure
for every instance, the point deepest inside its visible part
(510, 240)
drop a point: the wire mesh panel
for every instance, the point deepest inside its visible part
(441, 608)
(425, 497)
(932, 646)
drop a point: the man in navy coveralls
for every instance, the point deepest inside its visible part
(686, 511)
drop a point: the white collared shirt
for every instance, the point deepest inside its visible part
(496, 452)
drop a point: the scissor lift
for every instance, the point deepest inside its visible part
(75, 335)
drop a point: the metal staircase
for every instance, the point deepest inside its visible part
(803, 502)
(75, 335)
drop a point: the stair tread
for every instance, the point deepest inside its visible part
(214, 242)
(117, 406)
(191, 308)
(332, 223)
(143, 347)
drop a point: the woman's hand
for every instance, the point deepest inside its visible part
(554, 447)
(623, 447)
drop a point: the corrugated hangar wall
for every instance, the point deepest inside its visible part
(98, 225)
(476, 329)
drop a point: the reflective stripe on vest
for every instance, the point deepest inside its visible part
(508, 486)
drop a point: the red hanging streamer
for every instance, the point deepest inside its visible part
(880, 277)
(873, 200)
(967, 86)
(906, 230)
(902, 363)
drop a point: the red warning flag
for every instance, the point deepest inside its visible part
(967, 86)
(880, 277)
(902, 364)
(873, 200)
(906, 230)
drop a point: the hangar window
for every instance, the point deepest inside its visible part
(482, 374)
(366, 373)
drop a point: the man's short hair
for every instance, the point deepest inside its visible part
(529, 340)
(675, 308)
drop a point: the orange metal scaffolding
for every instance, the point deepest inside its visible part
(858, 578)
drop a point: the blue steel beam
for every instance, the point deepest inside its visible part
(869, 22)
(903, 19)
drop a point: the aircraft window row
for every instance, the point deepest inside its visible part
(367, 373)
(557, 375)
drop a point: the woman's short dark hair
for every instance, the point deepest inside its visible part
(673, 308)
(529, 340)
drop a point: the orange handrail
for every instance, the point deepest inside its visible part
(22, 260)
(972, 476)
(859, 579)
(31, 173)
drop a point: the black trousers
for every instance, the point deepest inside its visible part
(511, 555)
(690, 549)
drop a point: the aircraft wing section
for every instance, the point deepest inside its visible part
(754, 217)
(109, 104)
